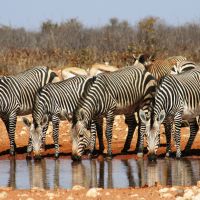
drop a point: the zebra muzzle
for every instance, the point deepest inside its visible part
(152, 157)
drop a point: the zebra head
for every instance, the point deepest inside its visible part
(36, 135)
(80, 135)
(152, 123)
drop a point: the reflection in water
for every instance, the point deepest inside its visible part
(47, 173)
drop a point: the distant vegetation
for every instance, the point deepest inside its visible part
(71, 43)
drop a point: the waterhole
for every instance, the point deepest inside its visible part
(64, 173)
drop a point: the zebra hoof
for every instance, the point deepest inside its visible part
(12, 153)
(124, 151)
(93, 155)
(37, 157)
(56, 155)
(178, 156)
(28, 157)
(109, 157)
(168, 154)
(139, 154)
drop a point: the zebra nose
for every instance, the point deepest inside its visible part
(76, 158)
(37, 157)
(152, 157)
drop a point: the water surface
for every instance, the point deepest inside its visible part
(64, 173)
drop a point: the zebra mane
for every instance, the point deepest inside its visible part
(83, 94)
(86, 86)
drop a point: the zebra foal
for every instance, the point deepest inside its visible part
(17, 95)
(177, 98)
(110, 94)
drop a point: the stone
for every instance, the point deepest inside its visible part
(179, 198)
(167, 195)
(198, 183)
(93, 192)
(188, 194)
(115, 137)
(134, 195)
(107, 193)
(70, 198)
(3, 195)
(173, 189)
(197, 197)
(78, 187)
(163, 190)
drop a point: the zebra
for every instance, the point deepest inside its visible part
(109, 94)
(182, 66)
(17, 96)
(177, 58)
(177, 98)
(55, 102)
(159, 67)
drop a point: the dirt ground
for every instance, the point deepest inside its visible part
(119, 135)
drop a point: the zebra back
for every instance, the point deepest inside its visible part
(182, 66)
(176, 90)
(18, 91)
(56, 98)
(130, 87)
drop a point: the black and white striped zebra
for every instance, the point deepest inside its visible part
(17, 95)
(110, 94)
(182, 66)
(177, 99)
(55, 102)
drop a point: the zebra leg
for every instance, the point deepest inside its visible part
(44, 131)
(177, 135)
(29, 149)
(193, 131)
(92, 140)
(10, 124)
(140, 145)
(132, 123)
(109, 126)
(168, 132)
(99, 127)
(55, 122)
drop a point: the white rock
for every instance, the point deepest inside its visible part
(78, 187)
(134, 195)
(50, 195)
(22, 133)
(70, 198)
(167, 195)
(198, 183)
(163, 190)
(197, 197)
(173, 189)
(3, 195)
(117, 117)
(115, 137)
(93, 192)
(179, 198)
(188, 194)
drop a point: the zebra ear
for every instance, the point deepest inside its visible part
(161, 116)
(44, 120)
(142, 116)
(26, 122)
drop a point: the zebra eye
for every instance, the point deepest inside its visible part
(80, 134)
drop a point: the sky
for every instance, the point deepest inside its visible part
(31, 13)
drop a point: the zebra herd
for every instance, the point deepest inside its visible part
(146, 89)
